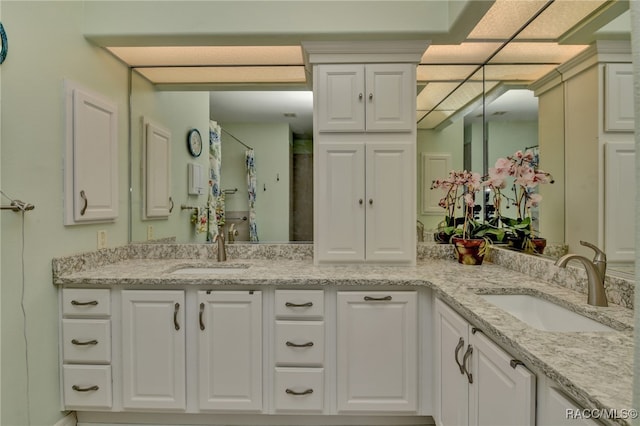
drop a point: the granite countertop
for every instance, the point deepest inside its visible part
(595, 368)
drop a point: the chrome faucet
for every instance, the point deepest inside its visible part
(596, 270)
(222, 251)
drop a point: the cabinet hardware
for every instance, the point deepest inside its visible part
(85, 343)
(76, 303)
(292, 392)
(515, 362)
(475, 330)
(370, 201)
(370, 299)
(201, 315)
(176, 308)
(467, 354)
(370, 96)
(298, 305)
(171, 202)
(360, 201)
(86, 203)
(79, 389)
(458, 347)
(360, 96)
(302, 345)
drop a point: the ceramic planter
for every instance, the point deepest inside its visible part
(469, 252)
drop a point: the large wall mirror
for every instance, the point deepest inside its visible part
(470, 111)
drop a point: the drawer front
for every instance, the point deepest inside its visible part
(299, 342)
(299, 389)
(87, 386)
(85, 302)
(86, 341)
(299, 304)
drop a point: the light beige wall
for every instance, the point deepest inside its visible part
(46, 46)
(271, 143)
(582, 172)
(449, 140)
(178, 112)
(552, 160)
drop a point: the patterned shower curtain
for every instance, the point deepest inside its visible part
(215, 202)
(251, 186)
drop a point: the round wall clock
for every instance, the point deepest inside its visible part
(194, 142)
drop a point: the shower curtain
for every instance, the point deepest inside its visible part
(215, 202)
(251, 186)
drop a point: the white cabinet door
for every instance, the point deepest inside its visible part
(153, 349)
(341, 210)
(620, 201)
(157, 171)
(340, 98)
(452, 386)
(377, 352)
(371, 97)
(502, 390)
(91, 157)
(618, 98)
(390, 97)
(230, 350)
(556, 409)
(390, 212)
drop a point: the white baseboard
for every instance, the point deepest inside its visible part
(68, 420)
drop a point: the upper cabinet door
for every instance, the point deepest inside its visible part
(91, 158)
(618, 98)
(371, 97)
(340, 94)
(390, 97)
(157, 171)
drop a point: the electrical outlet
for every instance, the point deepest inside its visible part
(149, 232)
(102, 239)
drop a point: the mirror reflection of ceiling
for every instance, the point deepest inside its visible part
(521, 41)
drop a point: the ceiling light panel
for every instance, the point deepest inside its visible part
(444, 72)
(465, 53)
(559, 18)
(223, 75)
(532, 52)
(524, 73)
(433, 119)
(209, 55)
(505, 18)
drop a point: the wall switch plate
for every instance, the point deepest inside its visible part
(102, 239)
(149, 232)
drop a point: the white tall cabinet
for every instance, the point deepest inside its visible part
(364, 149)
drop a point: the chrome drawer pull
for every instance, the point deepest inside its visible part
(292, 392)
(92, 303)
(298, 305)
(86, 203)
(369, 298)
(90, 388)
(302, 345)
(88, 342)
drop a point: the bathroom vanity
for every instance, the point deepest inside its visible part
(163, 334)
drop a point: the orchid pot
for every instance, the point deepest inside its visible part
(470, 251)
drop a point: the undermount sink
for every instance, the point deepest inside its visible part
(542, 314)
(222, 269)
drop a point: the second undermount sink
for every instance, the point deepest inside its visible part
(222, 269)
(542, 314)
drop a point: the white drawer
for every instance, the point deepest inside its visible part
(87, 386)
(86, 341)
(299, 342)
(299, 304)
(85, 302)
(299, 389)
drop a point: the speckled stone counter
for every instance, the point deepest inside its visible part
(595, 368)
